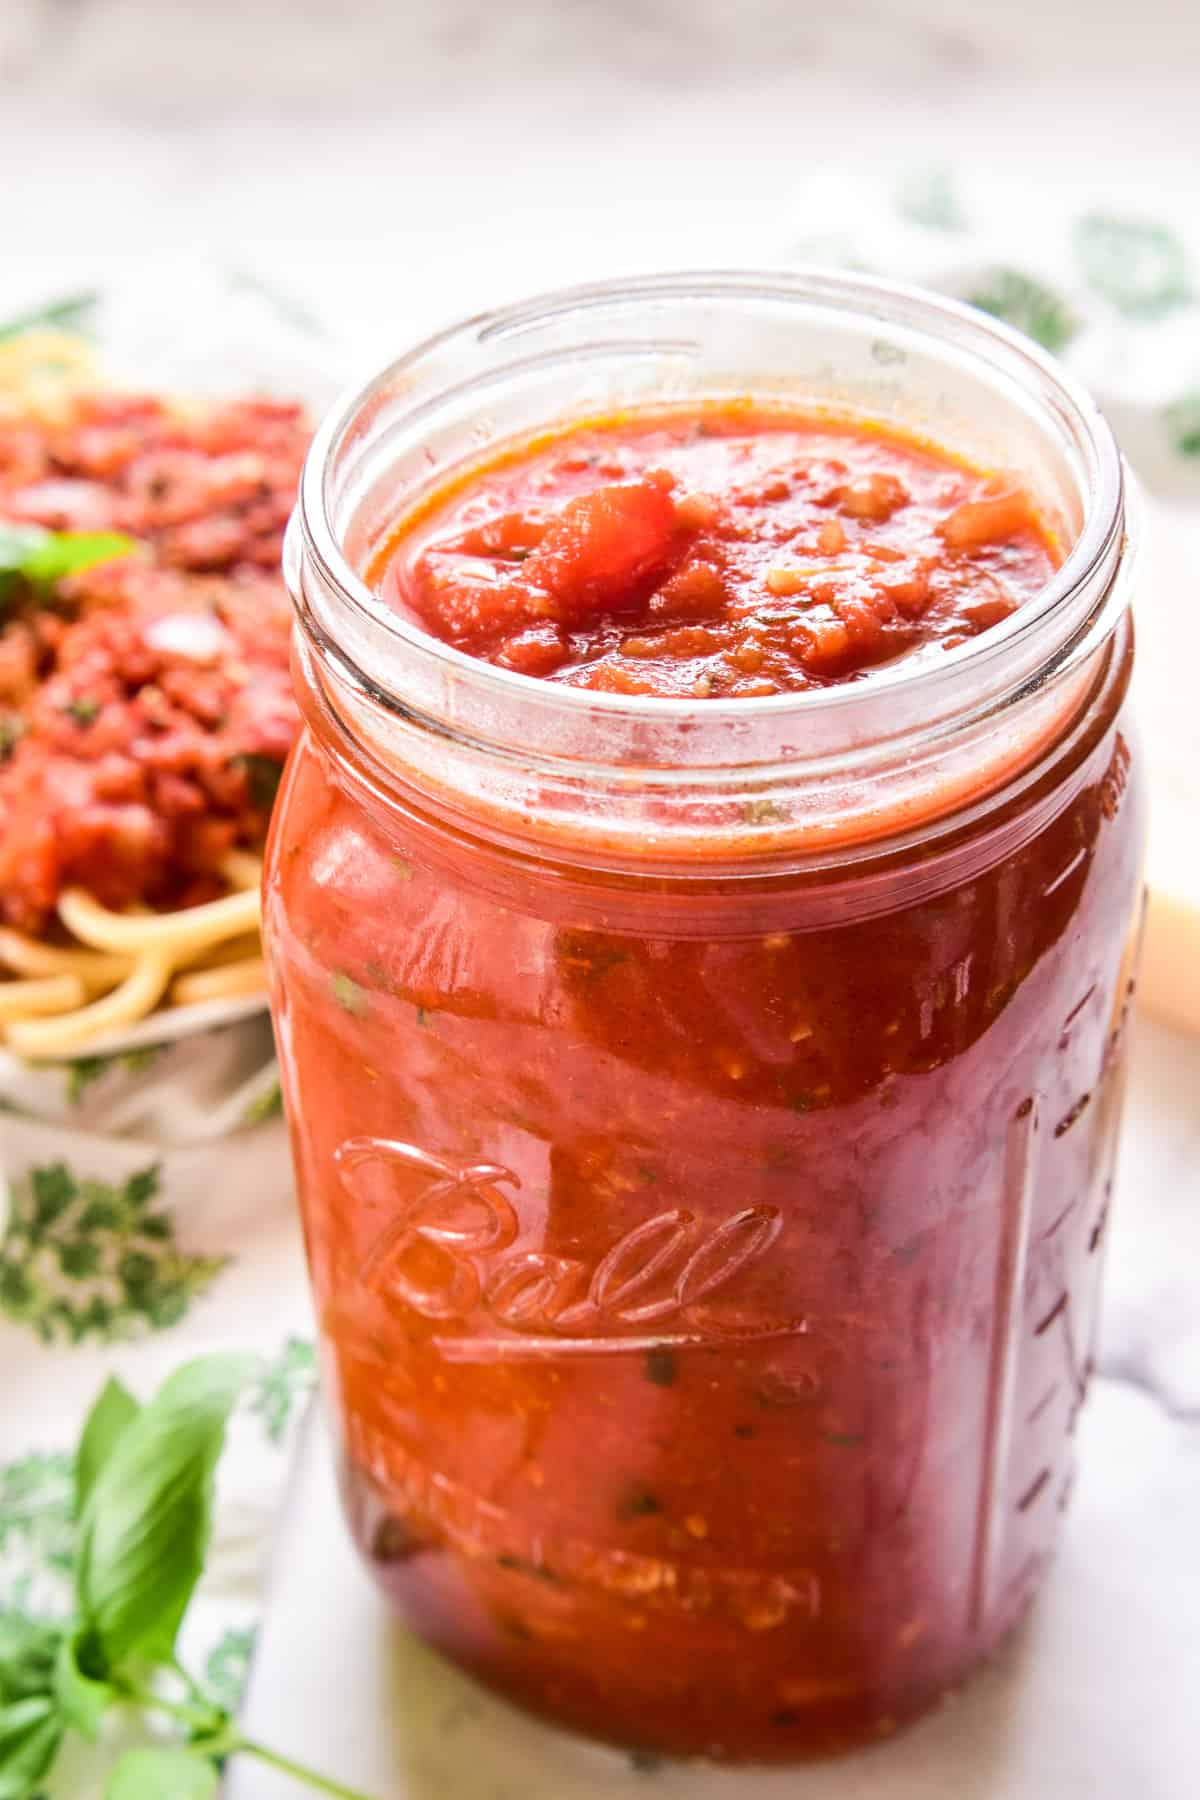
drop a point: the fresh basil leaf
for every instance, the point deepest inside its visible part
(36, 559)
(114, 1409)
(30, 1733)
(146, 1525)
(17, 544)
(28, 1649)
(67, 552)
(83, 1696)
(162, 1775)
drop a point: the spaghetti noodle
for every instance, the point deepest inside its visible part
(120, 966)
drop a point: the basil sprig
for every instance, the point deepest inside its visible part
(32, 560)
(143, 1503)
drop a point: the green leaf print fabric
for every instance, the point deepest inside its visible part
(1111, 285)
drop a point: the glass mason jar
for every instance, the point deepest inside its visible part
(704, 1114)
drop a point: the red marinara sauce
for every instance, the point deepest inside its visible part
(145, 705)
(707, 1267)
(725, 552)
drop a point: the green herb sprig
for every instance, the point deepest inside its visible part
(32, 560)
(143, 1499)
(73, 312)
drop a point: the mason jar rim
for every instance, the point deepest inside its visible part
(1094, 553)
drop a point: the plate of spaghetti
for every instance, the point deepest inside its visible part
(145, 705)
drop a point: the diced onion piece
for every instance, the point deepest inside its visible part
(194, 637)
(987, 521)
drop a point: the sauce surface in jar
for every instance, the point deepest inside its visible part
(707, 1267)
(727, 551)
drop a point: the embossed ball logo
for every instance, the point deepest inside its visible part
(450, 1250)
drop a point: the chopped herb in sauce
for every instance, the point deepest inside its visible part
(590, 955)
(638, 1503)
(348, 994)
(660, 1367)
(84, 710)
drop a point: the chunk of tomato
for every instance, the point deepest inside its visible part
(605, 548)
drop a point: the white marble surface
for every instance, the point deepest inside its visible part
(400, 163)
